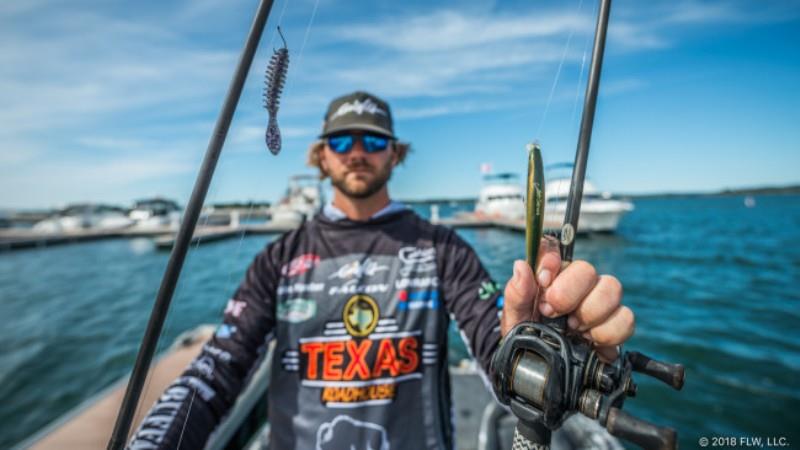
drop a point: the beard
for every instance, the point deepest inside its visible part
(358, 187)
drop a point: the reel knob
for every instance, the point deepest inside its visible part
(670, 374)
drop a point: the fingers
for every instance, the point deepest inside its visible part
(568, 290)
(615, 330)
(549, 263)
(608, 354)
(601, 302)
(518, 297)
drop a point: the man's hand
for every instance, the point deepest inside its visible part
(591, 302)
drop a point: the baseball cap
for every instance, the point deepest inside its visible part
(358, 111)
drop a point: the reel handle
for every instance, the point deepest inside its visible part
(671, 374)
(640, 432)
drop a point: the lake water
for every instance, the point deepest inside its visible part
(712, 283)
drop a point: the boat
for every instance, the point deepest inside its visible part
(302, 200)
(85, 216)
(480, 422)
(600, 211)
(501, 197)
(155, 213)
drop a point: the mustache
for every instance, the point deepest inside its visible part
(359, 165)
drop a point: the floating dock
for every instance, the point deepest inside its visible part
(164, 238)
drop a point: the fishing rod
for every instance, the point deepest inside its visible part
(546, 375)
(190, 215)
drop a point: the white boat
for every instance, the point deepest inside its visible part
(501, 197)
(600, 211)
(85, 216)
(155, 213)
(302, 200)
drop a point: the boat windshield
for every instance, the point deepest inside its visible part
(504, 197)
(563, 198)
(501, 178)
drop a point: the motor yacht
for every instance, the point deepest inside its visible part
(302, 200)
(501, 197)
(85, 216)
(154, 213)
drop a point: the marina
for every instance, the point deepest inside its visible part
(164, 236)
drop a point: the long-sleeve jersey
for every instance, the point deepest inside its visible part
(359, 312)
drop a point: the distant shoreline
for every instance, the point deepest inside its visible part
(761, 190)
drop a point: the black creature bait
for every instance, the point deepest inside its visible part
(275, 79)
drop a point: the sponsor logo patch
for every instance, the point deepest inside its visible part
(359, 269)
(487, 289)
(360, 360)
(235, 307)
(416, 259)
(300, 288)
(300, 265)
(218, 353)
(204, 365)
(353, 287)
(360, 315)
(346, 432)
(419, 283)
(225, 331)
(296, 310)
(417, 300)
(158, 420)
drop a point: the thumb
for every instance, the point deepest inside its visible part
(518, 297)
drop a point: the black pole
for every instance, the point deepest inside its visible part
(182, 241)
(570, 226)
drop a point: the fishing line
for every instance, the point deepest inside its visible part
(581, 71)
(303, 45)
(188, 413)
(557, 77)
(168, 322)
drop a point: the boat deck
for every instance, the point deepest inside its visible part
(89, 426)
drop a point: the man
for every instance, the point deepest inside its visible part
(359, 300)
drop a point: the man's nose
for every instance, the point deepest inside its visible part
(358, 150)
(358, 145)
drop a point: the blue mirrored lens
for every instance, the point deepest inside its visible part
(340, 144)
(374, 143)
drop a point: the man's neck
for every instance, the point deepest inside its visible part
(360, 209)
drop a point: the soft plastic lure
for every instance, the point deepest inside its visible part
(275, 79)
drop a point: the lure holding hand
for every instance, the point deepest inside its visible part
(275, 79)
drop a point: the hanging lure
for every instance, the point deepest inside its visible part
(275, 78)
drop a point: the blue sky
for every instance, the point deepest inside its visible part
(112, 101)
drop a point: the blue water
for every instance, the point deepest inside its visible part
(712, 283)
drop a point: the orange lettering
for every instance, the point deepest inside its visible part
(313, 349)
(358, 363)
(386, 359)
(408, 355)
(332, 361)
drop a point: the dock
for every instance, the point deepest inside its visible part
(164, 238)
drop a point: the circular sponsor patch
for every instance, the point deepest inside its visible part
(360, 315)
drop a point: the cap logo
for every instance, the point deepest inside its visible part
(359, 108)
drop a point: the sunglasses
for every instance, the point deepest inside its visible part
(343, 143)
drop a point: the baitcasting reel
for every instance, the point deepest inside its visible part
(545, 376)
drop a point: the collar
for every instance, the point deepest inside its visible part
(333, 213)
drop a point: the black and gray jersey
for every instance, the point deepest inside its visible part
(359, 312)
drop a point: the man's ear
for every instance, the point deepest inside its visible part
(323, 163)
(395, 156)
